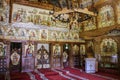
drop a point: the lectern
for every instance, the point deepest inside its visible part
(90, 65)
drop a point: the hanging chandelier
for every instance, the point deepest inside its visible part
(73, 12)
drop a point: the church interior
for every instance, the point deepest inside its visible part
(59, 39)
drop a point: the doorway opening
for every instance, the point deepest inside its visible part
(15, 56)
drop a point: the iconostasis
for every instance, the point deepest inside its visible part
(45, 43)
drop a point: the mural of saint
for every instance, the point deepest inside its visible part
(46, 57)
(30, 50)
(65, 56)
(54, 35)
(82, 49)
(42, 57)
(39, 58)
(56, 50)
(43, 34)
(106, 16)
(32, 33)
(11, 32)
(22, 32)
(15, 58)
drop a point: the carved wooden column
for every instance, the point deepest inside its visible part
(71, 56)
(51, 55)
(61, 59)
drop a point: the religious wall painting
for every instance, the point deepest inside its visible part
(32, 34)
(53, 35)
(108, 47)
(2, 49)
(89, 25)
(15, 57)
(44, 34)
(22, 32)
(118, 13)
(82, 49)
(90, 49)
(75, 49)
(35, 15)
(4, 11)
(106, 16)
(42, 56)
(11, 31)
(29, 50)
(56, 50)
(56, 55)
(65, 57)
(25, 14)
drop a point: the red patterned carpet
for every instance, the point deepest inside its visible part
(61, 74)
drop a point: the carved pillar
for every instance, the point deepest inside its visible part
(71, 56)
(51, 55)
(61, 58)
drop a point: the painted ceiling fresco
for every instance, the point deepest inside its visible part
(106, 16)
